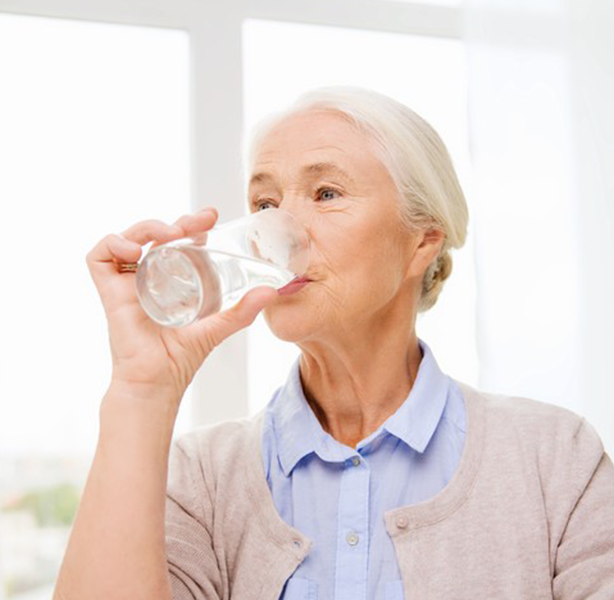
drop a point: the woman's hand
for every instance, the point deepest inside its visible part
(147, 356)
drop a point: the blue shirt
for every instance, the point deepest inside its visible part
(337, 495)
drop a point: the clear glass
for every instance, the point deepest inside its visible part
(191, 278)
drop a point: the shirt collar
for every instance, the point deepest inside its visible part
(299, 432)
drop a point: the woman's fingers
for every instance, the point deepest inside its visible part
(196, 223)
(118, 289)
(126, 247)
(122, 249)
(152, 229)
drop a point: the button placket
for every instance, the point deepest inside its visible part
(352, 528)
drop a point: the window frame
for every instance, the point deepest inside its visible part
(216, 114)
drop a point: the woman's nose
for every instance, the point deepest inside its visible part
(297, 208)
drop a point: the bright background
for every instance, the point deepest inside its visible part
(119, 112)
(95, 136)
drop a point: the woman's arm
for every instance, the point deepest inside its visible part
(584, 567)
(196, 572)
(116, 548)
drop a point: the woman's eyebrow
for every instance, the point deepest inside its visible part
(318, 168)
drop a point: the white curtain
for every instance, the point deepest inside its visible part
(541, 92)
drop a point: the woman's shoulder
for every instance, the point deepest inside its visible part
(550, 432)
(218, 443)
(512, 409)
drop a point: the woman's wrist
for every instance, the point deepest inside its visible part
(138, 411)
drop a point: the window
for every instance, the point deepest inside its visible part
(94, 121)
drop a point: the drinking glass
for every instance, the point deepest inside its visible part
(190, 278)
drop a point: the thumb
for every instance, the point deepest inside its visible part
(213, 330)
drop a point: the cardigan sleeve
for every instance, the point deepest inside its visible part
(192, 564)
(584, 565)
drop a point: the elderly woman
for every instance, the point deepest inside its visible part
(370, 473)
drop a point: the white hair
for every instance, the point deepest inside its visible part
(429, 193)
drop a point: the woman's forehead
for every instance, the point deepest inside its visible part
(312, 145)
(312, 129)
(307, 171)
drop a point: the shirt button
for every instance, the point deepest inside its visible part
(298, 543)
(401, 522)
(352, 539)
(356, 461)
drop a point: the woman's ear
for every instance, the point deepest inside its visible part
(429, 245)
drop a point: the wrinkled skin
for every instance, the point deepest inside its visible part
(355, 322)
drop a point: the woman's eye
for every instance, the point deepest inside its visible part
(324, 190)
(319, 193)
(259, 205)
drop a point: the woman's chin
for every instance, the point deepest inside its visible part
(288, 321)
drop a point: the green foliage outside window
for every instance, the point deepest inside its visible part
(55, 505)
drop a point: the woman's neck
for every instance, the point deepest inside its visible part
(352, 394)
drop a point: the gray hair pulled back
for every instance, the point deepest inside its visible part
(429, 193)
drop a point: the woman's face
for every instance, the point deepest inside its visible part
(317, 167)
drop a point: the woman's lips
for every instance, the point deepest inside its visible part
(294, 286)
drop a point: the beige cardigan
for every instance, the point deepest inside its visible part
(528, 514)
